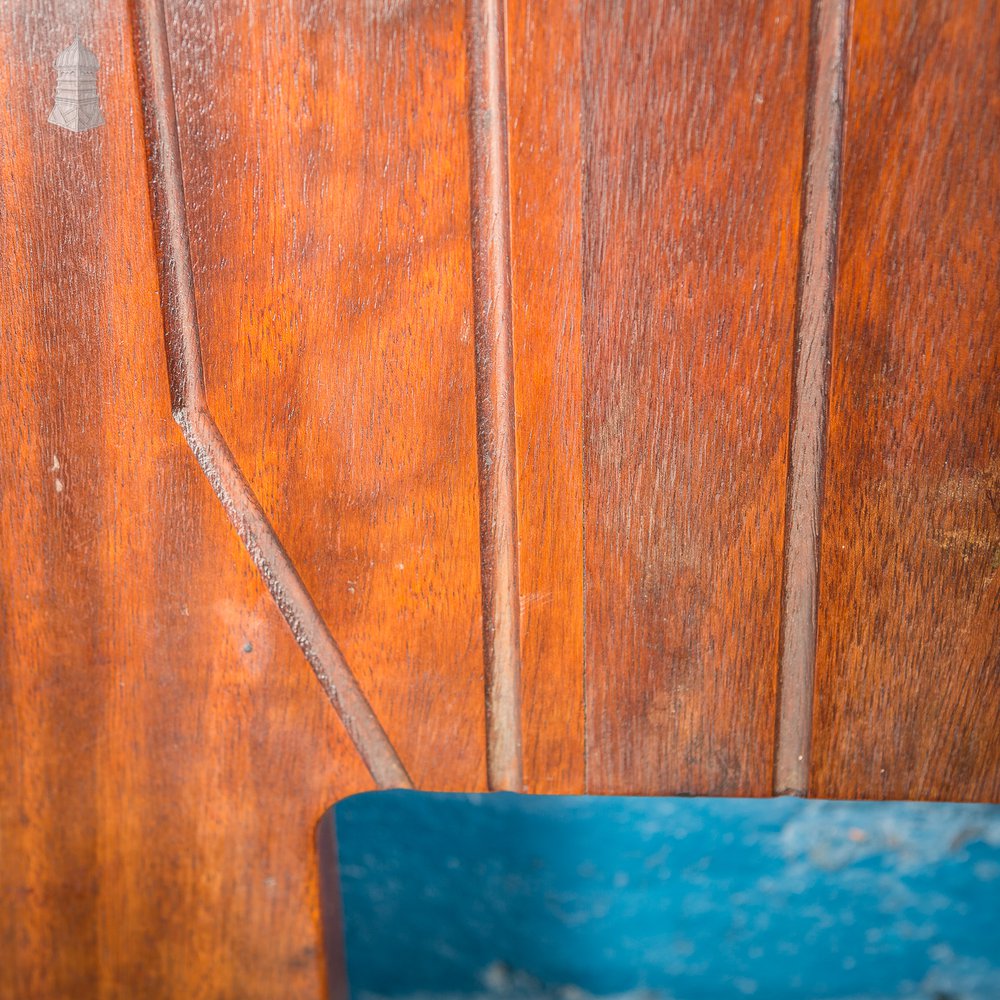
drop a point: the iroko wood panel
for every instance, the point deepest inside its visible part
(908, 660)
(545, 177)
(165, 749)
(326, 175)
(692, 119)
(164, 754)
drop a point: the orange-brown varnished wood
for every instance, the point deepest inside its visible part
(326, 175)
(489, 199)
(908, 661)
(165, 748)
(164, 752)
(807, 433)
(189, 403)
(544, 124)
(692, 136)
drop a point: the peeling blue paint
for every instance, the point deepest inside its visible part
(678, 899)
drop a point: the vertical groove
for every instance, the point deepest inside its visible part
(190, 405)
(807, 444)
(490, 210)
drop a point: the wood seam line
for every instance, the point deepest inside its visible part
(494, 346)
(828, 57)
(190, 406)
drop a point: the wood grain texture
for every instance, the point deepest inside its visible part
(490, 236)
(807, 442)
(908, 661)
(164, 754)
(185, 376)
(164, 749)
(327, 190)
(693, 122)
(544, 57)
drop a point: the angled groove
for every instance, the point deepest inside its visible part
(190, 407)
(490, 205)
(807, 443)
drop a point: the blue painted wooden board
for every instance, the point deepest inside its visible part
(518, 896)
